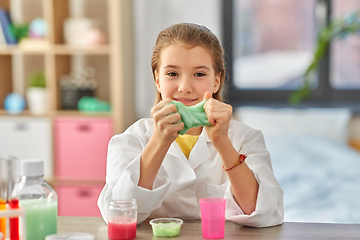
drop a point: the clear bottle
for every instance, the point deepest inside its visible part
(38, 199)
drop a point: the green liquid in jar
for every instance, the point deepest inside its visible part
(41, 218)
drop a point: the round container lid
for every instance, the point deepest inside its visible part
(32, 167)
(70, 236)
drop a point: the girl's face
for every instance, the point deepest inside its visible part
(185, 74)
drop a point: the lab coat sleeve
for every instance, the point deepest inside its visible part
(269, 206)
(123, 172)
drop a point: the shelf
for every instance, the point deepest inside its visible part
(58, 61)
(70, 50)
(8, 50)
(84, 114)
(22, 114)
(59, 49)
(26, 113)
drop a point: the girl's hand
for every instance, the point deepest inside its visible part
(165, 132)
(165, 118)
(219, 115)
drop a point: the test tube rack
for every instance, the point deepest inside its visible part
(11, 213)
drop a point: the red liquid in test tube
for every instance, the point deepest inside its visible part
(14, 222)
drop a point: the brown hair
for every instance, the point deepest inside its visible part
(193, 35)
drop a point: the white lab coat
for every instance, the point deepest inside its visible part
(181, 182)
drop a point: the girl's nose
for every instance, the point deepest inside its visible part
(185, 85)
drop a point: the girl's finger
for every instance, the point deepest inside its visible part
(207, 95)
(163, 108)
(161, 104)
(173, 118)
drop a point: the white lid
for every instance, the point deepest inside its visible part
(70, 236)
(32, 167)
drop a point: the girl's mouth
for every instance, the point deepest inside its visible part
(185, 101)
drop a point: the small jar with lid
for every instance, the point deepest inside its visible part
(122, 219)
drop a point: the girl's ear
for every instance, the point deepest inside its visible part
(157, 82)
(217, 83)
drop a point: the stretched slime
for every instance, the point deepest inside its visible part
(192, 116)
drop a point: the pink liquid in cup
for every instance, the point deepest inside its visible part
(122, 230)
(212, 217)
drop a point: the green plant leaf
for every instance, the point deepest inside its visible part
(19, 31)
(37, 80)
(299, 95)
(341, 27)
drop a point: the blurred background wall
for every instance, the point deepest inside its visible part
(150, 17)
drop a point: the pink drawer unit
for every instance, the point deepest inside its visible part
(78, 200)
(81, 147)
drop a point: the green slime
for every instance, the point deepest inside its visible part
(166, 229)
(192, 116)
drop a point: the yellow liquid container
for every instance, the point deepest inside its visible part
(3, 220)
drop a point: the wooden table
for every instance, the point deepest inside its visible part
(191, 229)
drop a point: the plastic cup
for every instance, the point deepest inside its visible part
(213, 217)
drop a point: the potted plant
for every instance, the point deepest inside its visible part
(337, 28)
(36, 93)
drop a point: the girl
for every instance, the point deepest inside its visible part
(168, 173)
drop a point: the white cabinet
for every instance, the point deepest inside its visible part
(27, 137)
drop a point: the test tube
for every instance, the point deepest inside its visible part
(8, 176)
(14, 221)
(3, 184)
(3, 177)
(2, 220)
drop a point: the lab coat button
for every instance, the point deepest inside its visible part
(186, 193)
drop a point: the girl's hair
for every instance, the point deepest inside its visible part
(192, 35)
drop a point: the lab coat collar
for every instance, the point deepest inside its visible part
(200, 152)
(198, 155)
(174, 149)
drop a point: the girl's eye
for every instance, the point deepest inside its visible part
(200, 74)
(172, 74)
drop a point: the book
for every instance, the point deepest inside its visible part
(2, 37)
(5, 22)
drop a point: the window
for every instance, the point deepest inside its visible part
(269, 44)
(345, 58)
